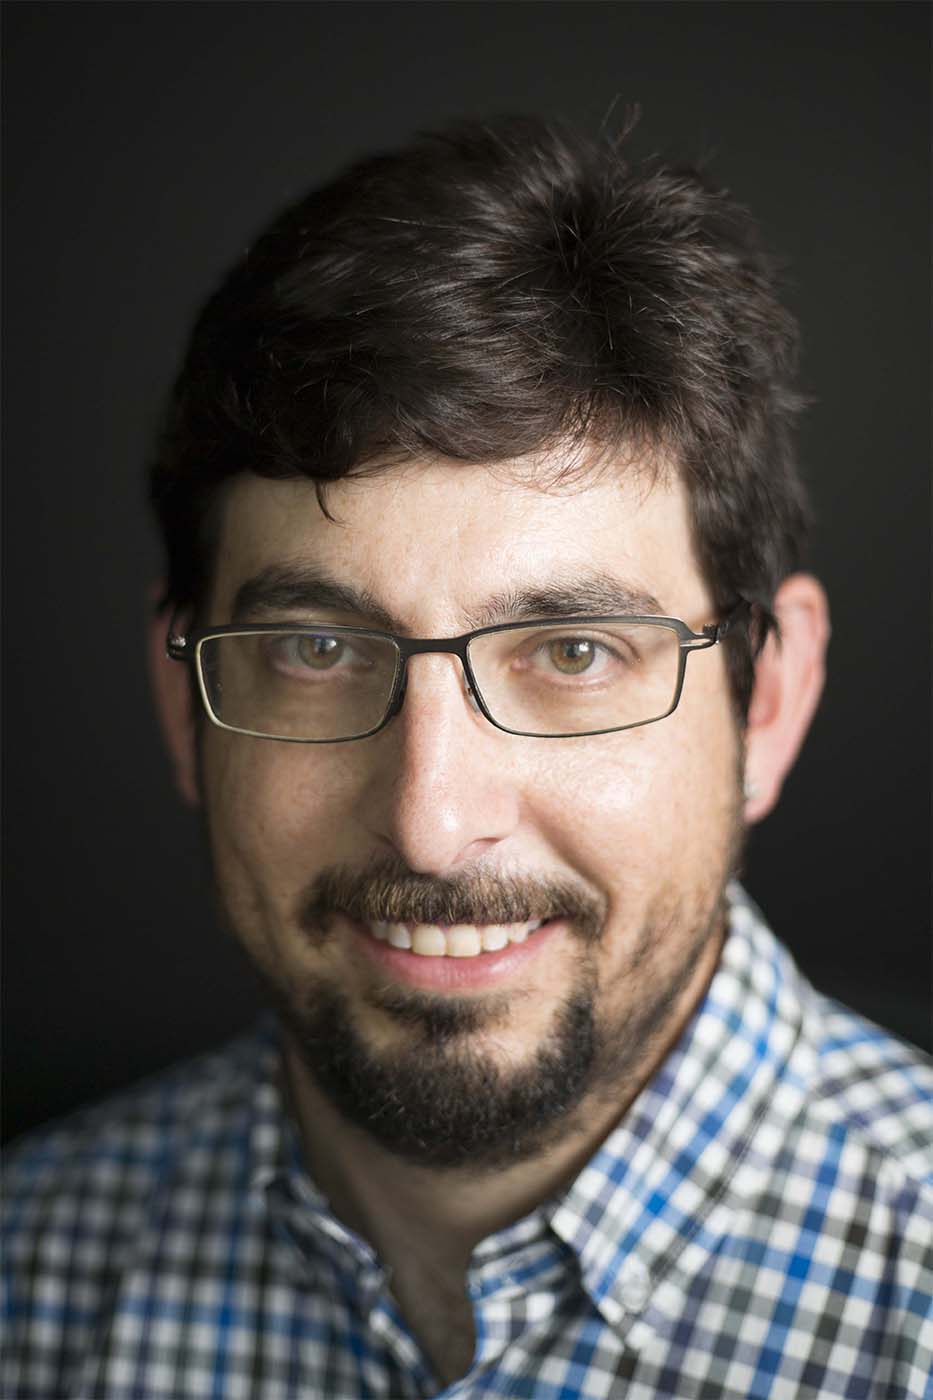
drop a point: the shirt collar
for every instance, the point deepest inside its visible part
(298, 1210)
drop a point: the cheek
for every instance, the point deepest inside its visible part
(645, 806)
(273, 812)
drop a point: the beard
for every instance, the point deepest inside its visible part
(439, 1098)
(438, 1101)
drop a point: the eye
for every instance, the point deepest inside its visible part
(320, 652)
(312, 651)
(572, 655)
(550, 656)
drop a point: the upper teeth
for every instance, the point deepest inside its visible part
(453, 940)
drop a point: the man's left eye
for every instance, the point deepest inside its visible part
(576, 656)
(572, 655)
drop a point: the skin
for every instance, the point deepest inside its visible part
(645, 821)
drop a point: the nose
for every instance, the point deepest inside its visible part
(443, 788)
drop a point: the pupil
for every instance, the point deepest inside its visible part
(572, 657)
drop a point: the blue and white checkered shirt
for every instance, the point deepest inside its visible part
(759, 1225)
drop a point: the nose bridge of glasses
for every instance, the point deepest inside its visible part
(427, 646)
(417, 646)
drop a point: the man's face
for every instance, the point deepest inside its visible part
(621, 842)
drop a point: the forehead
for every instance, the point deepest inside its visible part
(432, 542)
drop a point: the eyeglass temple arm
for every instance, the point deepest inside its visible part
(715, 631)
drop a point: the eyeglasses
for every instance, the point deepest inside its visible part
(317, 683)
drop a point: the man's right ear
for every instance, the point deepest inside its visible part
(174, 702)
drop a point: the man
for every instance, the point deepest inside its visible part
(470, 453)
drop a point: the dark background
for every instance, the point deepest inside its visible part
(145, 145)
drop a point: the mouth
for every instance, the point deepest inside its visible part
(452, 940)
(454, 957)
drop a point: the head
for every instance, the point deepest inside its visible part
(501, 362)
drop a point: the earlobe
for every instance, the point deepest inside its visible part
(171, 690)
(789, 676)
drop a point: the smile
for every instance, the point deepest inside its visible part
(452, 940)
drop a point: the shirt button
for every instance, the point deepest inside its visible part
(635, 1286)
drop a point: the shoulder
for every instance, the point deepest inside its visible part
(848, 1107)
(856, 1079)
(104, 1161)
(859, 1161)
(874, 1087)
(833, 1194)
(87, 1199)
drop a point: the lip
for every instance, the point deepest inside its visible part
(453, 974)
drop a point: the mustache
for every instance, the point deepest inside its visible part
(390, 893)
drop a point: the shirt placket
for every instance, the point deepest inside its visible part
(391, 1366)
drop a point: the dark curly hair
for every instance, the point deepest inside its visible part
(492, 290)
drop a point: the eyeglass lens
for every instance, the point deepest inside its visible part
(542, 680)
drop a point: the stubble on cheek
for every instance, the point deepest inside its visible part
(252, 863)
(649, 994)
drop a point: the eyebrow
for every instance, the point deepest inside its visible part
(284, 588)
(287, 588)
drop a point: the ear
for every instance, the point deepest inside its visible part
(172, 693)
(789, 675)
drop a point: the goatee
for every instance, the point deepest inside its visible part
(439, 1099)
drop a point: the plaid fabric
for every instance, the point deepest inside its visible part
(760, 1225)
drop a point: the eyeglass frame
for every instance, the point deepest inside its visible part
(187, 647)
